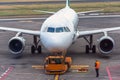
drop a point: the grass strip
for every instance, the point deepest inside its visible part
(23, 0)
(8, 10)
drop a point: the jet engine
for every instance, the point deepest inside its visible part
(106, 44)
(16, 45)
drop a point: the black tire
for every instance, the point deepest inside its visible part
(33, 49)
(39, 49)
(87, 49)
(94, 49)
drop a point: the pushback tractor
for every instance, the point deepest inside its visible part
(57, 64)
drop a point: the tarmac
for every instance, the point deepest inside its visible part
(21, 69)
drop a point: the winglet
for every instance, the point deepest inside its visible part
(67, 3)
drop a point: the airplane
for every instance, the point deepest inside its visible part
(58, 32)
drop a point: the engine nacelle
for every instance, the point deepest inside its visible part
(106, 44)
(16, 45)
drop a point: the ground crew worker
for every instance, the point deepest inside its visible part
(97, 66)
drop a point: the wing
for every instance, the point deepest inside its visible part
(49, 12)
(91, 32)
(31, 32)
(86, 12)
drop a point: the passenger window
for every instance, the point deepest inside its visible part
(50, 29)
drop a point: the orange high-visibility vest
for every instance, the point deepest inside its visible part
(97, 64)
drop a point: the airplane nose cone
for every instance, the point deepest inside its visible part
(56, 42)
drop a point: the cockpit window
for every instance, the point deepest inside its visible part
(50, 29)
(66, 29)
(58, 30)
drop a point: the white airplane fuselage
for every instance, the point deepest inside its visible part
(58, 31)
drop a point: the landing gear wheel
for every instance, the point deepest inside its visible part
(94, 49)
(87, 49)
(90, 47)
(33, 49)
(39, 49)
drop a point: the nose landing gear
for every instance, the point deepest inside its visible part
(35, 48)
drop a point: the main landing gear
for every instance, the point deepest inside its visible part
(35, 47)
(90, 47)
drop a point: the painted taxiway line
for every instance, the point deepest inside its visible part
(19, 19)
(56, 77)
(109, 74)
(6, 73)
